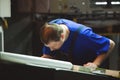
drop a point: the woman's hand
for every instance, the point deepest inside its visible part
(91, 65)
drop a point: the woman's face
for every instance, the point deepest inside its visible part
(54, 45)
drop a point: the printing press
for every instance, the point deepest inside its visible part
(16, 66)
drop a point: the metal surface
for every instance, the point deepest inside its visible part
(35, 61)
(1, 39)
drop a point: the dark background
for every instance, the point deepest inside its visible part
(27, 16)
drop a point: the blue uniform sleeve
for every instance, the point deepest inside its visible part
(98, 43)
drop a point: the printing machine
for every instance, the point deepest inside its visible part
(37, 69)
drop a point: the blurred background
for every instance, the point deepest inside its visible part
(21, 21)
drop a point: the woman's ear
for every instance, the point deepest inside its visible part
(62, 36)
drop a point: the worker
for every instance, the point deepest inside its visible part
(65, 39)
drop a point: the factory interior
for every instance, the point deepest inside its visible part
(21, 21)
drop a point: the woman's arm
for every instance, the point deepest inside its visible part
(101, 57)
